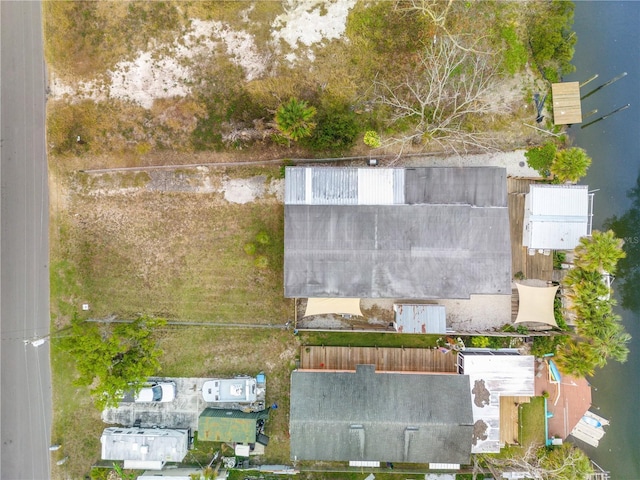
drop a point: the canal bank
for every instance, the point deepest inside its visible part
(608, 45)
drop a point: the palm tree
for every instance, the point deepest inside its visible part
(577, 359)
(596, 322)
(611, 343)
(570, 164)
(600, 252)
(293, 119)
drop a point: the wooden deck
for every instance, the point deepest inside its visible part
(538, 266)
(567, 402)
(385, 359)
(509, 419)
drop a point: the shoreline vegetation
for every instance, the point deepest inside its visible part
(138, 84)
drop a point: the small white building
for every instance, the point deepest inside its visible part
(144, 448)
(556, 216)
(494, 374)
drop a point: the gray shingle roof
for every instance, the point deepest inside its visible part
(390, 417)
(449, 238)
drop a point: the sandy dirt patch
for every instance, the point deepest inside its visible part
(309, 22)
(167, 70)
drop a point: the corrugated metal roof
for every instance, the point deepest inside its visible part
(392, 417)
(450, 239)
(556, 216)
(491, 377)
(343, 186)
(559, 200)
(151, 444)
(412, 318)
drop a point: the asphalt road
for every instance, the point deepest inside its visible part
(25, 373)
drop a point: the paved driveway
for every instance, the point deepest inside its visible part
(183, 412)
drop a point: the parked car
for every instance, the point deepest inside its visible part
(156, 392)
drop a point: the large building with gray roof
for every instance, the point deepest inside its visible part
(388, 417)
(412, 233)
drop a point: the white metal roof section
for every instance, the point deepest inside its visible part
(557, 216)
(344, 186)
(144, 444)
(416, 318)
(491, 377)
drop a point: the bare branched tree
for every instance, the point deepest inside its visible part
(437, 11)
(565, 462)
(446, 87)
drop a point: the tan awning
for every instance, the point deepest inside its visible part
(339, 306)
(536, 304)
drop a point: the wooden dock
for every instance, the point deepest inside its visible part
(423, 360)
(538, 266)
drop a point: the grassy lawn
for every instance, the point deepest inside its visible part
(367, 339)
(532, 418)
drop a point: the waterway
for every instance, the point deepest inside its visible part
(608, 45)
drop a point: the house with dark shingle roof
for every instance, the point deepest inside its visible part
(389, 417)
(412, 233)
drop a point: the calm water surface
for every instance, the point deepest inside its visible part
(609, 44)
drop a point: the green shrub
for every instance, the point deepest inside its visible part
(547, 344)
(480, 342)
(541, 158)
(336, 131)
(551, 38)
(261, 261)
(515, 55)
(557, 314)
(372, 139)
(558, 259)
(99, 473)
(263, 238)
(250, 248)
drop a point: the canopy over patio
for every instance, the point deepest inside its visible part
(337, 306)
(536, 305)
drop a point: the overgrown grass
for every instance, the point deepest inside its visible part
(84, 39)
(76, 421)
(178, 256)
